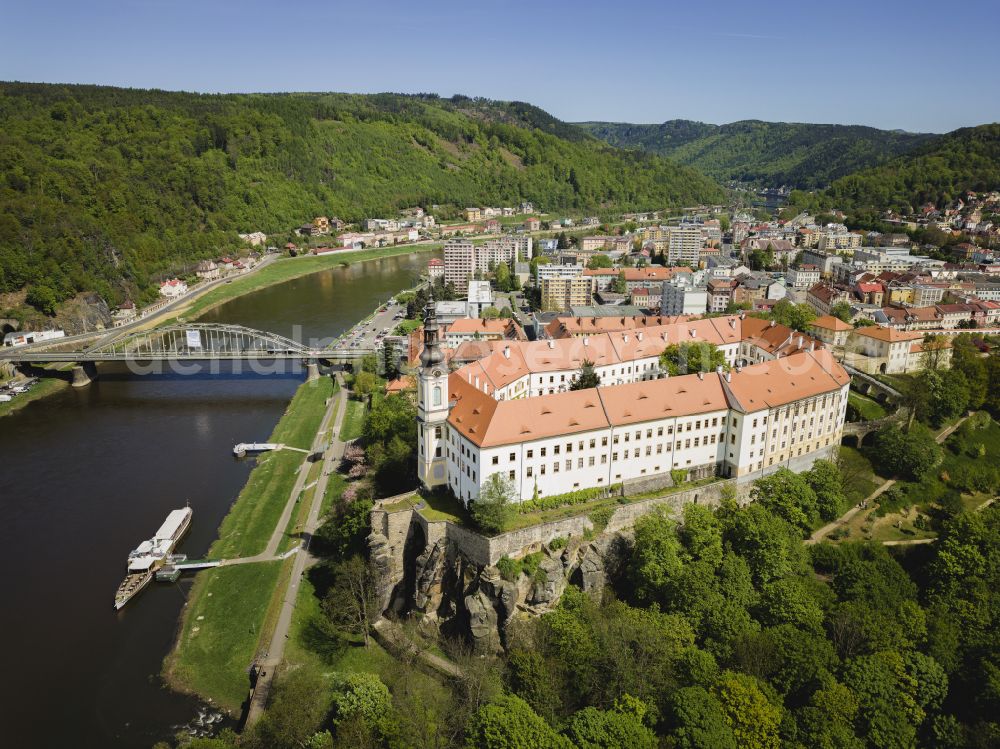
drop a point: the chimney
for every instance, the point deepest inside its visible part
(625, 338)
(552, 344)
(638, 335)
(718, 369)
(586, 340)
(693, 332)
(773, 322)
(732, 323)
(506, 352)
(701, 375)
(801, 341)
(812, 345)
(729, 376)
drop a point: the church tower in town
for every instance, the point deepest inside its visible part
(432, 404)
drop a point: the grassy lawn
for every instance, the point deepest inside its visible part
(45, 386)
(297, 520)
(354, 420)
(860, 478)
(335, 485)
(250, 523)
(868, 409)
(220, 631)
(285, 269)
(301, 420)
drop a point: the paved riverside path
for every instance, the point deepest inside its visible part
(844, 519)
(276, 649)
(320, 442)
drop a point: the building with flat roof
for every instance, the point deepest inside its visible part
(559, 294)
(684, 245)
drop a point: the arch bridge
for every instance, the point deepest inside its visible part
(191, 342)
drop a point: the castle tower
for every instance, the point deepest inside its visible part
(432, 404)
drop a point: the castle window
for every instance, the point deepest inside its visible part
(496, 460)
(436, 398)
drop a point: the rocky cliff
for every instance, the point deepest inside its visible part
(450, 592)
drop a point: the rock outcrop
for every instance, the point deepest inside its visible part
(449, 590)
(482, 622)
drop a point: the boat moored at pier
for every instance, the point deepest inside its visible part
(150, 555)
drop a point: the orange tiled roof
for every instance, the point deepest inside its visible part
(889, 335)
(829, 322)
(491, 423)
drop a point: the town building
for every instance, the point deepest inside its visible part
(803, 277)
(463, 259)
(646, 299)
(173, 288)
(561, 293)
(545, 271)
(479, 297)
(822, 297)
(254, 238)
(875, 349)
(684, 245)
(207, 270)
(832, 331)
(435, 268)
(472, 329)
(680, 298)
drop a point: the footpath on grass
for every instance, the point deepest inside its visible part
(234, 608)
(821, 533)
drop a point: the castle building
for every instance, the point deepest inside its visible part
(780, 401)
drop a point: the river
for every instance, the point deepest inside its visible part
(87, 474)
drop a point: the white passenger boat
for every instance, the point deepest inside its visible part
(150, 555)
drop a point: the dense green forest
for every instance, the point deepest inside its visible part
(937, 172)
(800, 155)
(106, 188)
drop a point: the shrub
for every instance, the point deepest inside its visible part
(509, 568)
(559, 542)
(601, 517)
(569, 498)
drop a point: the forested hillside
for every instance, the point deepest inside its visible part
(104, 188)
(937, 172)
(767, 153)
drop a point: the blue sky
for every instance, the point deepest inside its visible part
(914, 65)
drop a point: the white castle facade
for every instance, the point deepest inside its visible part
(782, 402)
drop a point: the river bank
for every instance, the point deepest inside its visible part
(225, 616)
(44, 387)
(281, 270)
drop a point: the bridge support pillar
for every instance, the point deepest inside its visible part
(84, 374)
(312, 370)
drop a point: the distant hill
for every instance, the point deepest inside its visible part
(767, 153)
(938, 171)
(102, 189)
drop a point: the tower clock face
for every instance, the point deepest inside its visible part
(436, 373)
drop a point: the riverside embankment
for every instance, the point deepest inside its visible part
(89, 473)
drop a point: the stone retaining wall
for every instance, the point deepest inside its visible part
(483, 551)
